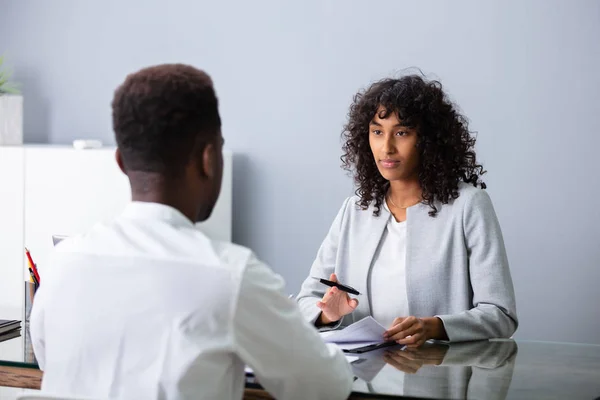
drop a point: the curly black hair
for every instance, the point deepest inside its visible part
(164, 115)
(445, 145)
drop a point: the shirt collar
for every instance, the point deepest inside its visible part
(156, 211)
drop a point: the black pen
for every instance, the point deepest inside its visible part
(343, 288)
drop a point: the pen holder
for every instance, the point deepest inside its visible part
(30, 290)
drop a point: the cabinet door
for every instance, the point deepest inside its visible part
(11, 232)
(68, 191)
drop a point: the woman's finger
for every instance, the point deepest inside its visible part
(328, 294)
(409, 341)
(412, 330)
(392, 331)
(413, 340)
(404, 325)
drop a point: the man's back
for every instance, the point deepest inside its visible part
(149, 308)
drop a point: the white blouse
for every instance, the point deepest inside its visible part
(387, 280)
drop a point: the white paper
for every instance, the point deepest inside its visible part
(365, 330)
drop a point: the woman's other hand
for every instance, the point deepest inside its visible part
(414, 332)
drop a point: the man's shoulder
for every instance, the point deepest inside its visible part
(188, 245)
(232, 254)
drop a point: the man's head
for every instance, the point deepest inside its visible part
(168, 131)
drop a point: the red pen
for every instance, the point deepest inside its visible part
(35, 272)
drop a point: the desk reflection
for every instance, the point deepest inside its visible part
(473, 370)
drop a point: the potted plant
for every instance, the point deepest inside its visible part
(11, 109)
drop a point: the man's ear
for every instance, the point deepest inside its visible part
(209, 161)
(120, 161)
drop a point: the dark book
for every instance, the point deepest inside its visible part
(10, 334)
(9, 325)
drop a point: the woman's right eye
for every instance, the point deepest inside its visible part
(376, 132)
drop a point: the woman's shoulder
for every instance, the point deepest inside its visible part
(466, 190)
(469, 198)
(473, 197)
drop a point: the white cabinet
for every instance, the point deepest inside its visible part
(54, 190)
(11, 231)
(67, 191)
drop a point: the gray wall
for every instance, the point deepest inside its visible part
(525, 72)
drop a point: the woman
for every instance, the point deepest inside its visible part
(420, 240)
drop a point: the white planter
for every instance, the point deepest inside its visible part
(11, 120)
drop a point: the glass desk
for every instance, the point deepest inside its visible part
(475, 370)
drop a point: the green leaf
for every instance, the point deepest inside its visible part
(6, 87)
(12, 90)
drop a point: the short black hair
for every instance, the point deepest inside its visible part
(445, 144)
(162, 115)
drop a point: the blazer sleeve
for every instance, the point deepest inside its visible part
(494, 314)
(324, 265)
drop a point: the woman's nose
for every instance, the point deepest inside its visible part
(388, 145)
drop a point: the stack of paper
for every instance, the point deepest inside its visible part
(9, 329)
(365, 332)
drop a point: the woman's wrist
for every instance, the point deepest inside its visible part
(434, 328)
(322, 320)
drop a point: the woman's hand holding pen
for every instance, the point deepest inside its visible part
(335, 304)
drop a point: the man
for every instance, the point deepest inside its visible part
(148, 307)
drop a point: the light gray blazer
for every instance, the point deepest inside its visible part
(456, 265)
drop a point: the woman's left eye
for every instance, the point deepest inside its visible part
(401, 133)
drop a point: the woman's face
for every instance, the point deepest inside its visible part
(394, 147)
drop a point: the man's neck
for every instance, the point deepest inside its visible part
(154, 188)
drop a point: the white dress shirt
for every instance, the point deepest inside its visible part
(387, 281)
(148, 307)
